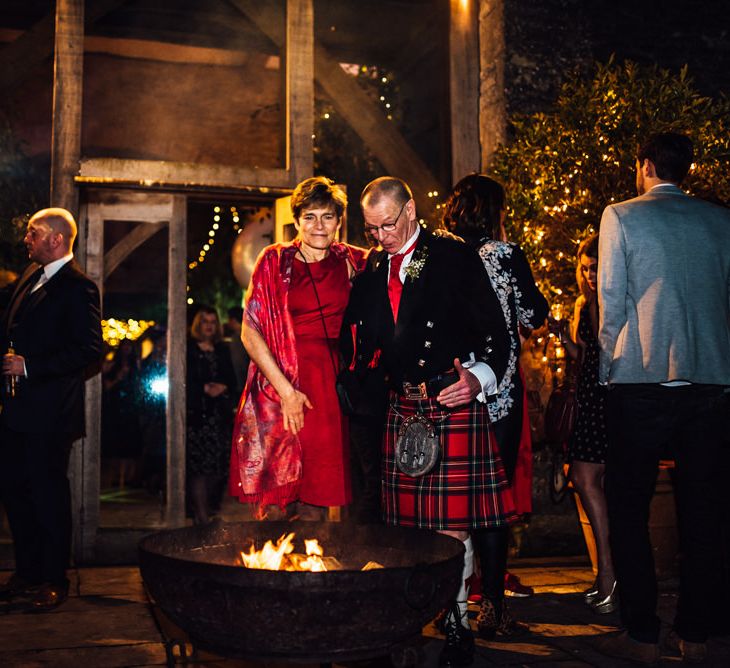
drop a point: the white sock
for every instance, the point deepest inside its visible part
(462, 598)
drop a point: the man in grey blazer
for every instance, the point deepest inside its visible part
(664, 299)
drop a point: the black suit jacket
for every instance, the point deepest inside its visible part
(57, 330)
(449, 311)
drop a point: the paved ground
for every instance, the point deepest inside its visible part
(108, 622)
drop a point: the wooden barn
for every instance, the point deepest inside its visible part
(150, 110)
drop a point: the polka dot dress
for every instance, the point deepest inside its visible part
(589, 441)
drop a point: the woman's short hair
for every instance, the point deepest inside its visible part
(589, 248)
(321, 192)
(474, 208)
(197, 320)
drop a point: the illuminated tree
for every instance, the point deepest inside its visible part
(563, 167)
(23, 190)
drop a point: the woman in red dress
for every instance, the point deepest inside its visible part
(290, 439)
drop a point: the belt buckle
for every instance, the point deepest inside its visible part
(415, 391)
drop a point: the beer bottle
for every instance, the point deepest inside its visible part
(11, 381)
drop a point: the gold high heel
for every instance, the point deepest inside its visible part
(607, 604)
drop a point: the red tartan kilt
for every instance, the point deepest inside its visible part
(466, 488)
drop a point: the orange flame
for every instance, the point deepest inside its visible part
(281, 556)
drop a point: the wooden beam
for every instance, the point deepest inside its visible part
(143, 207)
(492, 100)
(300, 88)
(464, 88)
(128, 244)
(360, 112)
(18, 58)
(176, 362)
(150, 173)
(373, 127)
(67, 91)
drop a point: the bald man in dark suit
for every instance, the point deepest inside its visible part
(53, 323)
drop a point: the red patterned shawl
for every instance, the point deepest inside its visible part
(266, 459)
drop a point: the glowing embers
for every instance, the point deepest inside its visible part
(280, 556)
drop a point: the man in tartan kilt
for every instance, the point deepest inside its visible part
(424, 313)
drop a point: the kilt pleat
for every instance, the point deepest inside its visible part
(465, 490)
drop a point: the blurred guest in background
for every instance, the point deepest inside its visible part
(153, 416)
(239, 356)
(588, 443)
(210, 381)
(121, 437)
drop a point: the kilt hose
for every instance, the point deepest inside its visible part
(467, 489)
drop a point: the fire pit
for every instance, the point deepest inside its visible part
(195, 576)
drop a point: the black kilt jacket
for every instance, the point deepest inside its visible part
(449, 310)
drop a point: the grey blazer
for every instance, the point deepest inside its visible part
(664, 290)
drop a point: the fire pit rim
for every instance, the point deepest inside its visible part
(243, 569)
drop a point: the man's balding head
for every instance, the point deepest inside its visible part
(50, 236)
(389, 212)
(390, 187)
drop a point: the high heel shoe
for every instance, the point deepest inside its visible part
(590, 594)
(602, 606)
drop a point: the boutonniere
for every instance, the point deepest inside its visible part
(418, 261)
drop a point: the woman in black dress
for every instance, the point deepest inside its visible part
(210, 384)
(589, 442)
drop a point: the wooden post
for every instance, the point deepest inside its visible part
(67, 95)
(492, 100)
(464, 88)
(86, 454)
(300, 88)
(176, 362)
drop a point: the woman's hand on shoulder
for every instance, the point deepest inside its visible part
(292, 409)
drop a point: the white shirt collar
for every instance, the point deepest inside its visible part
(52, 268)
(666, 184)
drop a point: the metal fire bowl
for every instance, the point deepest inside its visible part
(194, 575)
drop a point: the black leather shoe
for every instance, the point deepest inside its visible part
(459, 648)
(48, 597)
(14, 587)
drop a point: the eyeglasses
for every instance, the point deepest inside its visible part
(387, 227)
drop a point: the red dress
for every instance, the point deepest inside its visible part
(324, 437)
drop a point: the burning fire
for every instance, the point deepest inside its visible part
(281, 556)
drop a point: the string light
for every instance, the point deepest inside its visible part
(114, 330)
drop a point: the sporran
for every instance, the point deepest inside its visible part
(417, 448)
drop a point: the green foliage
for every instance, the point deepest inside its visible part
(564, 167)
(23, 190)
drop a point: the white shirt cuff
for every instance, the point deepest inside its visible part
(485, 376)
